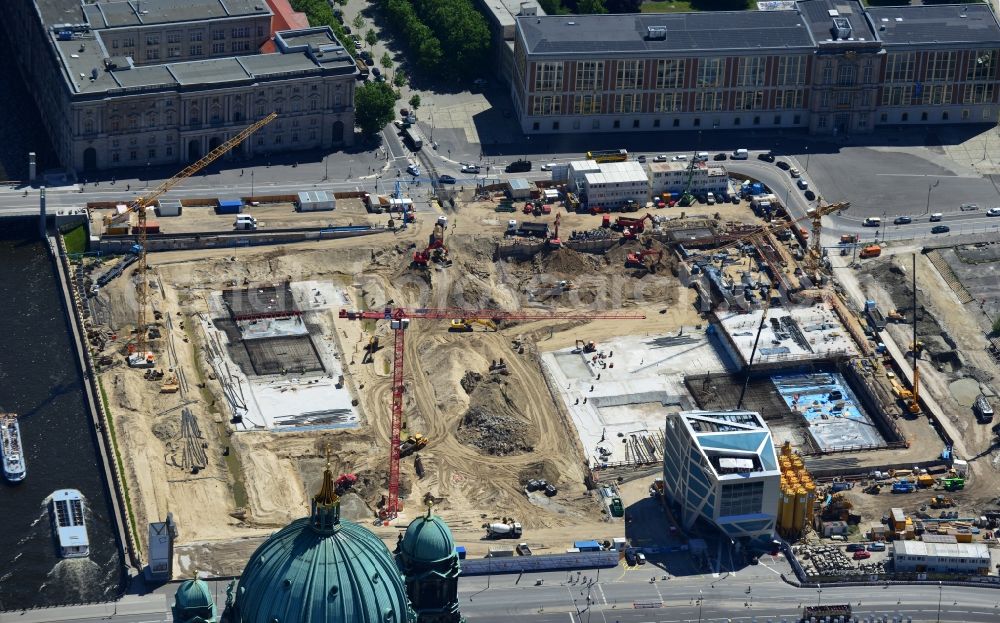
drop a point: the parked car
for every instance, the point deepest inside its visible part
(721, 156)
(679, 157)
(470, 168)
(794, 172)
(802, 184)
(642, 159)
(735, 199)
(940, 229)
(377, 73)
(413, 169)
(766, 156)
(876, 547)
(862, 555)
(518, 166)
(660, 158)
(993, 212)
(855, 547)
(810, 195)
(639, 556)
(784, 166)
(968, 207)
(902, 220)
(446, 179)
(550, 490)
(630, 556)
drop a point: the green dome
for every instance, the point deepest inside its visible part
(428, 539)
(303, 575)
(193, 602)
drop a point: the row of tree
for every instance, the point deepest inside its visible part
(425, 48)
(444, 36)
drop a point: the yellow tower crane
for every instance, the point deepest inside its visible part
(816, 215)
(139, 357)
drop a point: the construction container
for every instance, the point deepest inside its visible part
(316, 200)
(152, 227)
(120, 229)
(587, 546)
(499, 551)
(229, 206)
(168, 208)
(460, 550)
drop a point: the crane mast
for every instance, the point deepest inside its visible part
(140, 357)
(399, 322)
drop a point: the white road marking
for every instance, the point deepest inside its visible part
(601, 589)
(974, 177)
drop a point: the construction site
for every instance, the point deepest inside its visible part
(509, 370)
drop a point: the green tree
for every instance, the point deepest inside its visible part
(553, 7)
(996, 326)
(371, 39)
(385, 61)
(358, 22)
(591, 7)
(373, 107)
(399, 78)
(415, 101)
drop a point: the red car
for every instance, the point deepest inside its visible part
(861, 555)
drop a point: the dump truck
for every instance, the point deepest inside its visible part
(501, 530)
(617, 509)
(872, 250)
(953, 484)
(875, 316)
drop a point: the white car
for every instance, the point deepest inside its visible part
(660, 158)
(794, 172)
(679, 157)
(413, 169)
(547, 167)
(993, 212)
(470, 168)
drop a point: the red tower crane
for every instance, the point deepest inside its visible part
(399, 321)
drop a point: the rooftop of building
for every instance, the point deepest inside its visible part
(837, 21)
(944, 23)
(89, 68)
(629, 172)
(734, 442)
(158, 12)
(714, 32)
(504, 12)
(682, 167)
(942, 550)
(796, 333)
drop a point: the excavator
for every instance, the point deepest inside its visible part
(585, 347)
(647, 258)
(412, 443)
(463, 325)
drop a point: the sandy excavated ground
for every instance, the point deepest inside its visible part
(270, 476)
(941, 310)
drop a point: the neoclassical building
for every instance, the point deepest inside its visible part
(323, 568)
(135, 84)
(833, 67)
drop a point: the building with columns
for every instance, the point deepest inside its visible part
(132, 83)
(830, 66)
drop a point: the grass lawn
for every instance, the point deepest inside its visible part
(76, 240)
(681, 6)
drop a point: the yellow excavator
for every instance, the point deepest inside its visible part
(462, 325)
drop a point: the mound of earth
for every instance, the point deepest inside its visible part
(493, 423)
(565, 261)
(541, 470)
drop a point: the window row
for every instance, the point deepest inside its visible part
(941, 66)
(592, 104)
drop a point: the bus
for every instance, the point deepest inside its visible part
(608, 155)
(415, 137)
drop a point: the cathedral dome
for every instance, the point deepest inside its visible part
(322, 569)
(428, 539)
(193, 602)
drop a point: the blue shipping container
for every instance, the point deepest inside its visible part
(587, 546)
(461, 551)
(229, 206)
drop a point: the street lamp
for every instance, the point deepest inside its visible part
(940, 587)
(819, 595)
(929, 188)
(701, 599)
(251, 183)
(807, 158)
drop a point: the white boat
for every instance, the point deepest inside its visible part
(11, 449)
(68, 527)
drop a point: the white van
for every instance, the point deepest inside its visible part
(873, 221)
(245, 222)
(710, 199)
(740, 154)
(701, 156)
(937, 216)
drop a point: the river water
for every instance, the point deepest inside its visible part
(41, 381)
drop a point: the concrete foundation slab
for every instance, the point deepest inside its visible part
(789, 335)
(835, 418)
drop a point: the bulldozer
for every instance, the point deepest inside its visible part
(461, 325)
(872, 489)
(940, 501)
(170, 385)
(412, 444)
